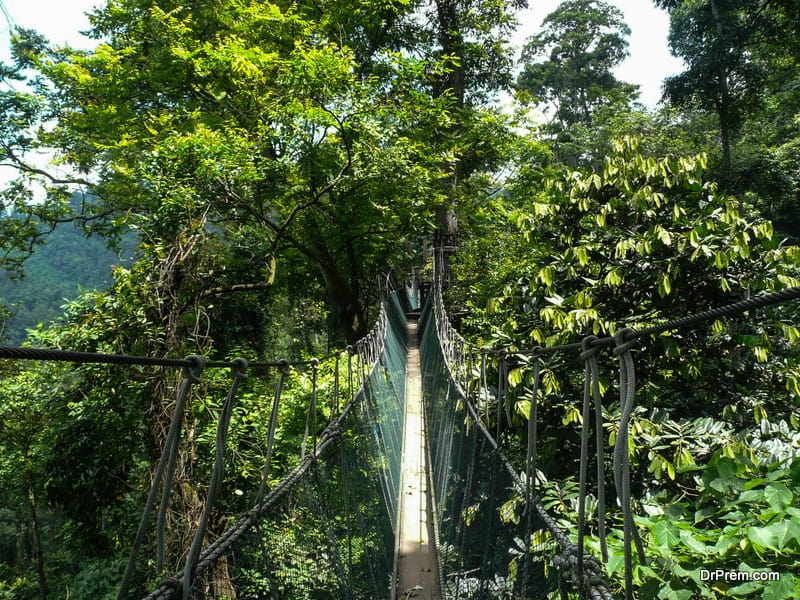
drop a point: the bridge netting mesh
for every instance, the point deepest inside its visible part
(327, 530)
(495, 538)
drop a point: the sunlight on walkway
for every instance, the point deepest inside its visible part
(417, 572)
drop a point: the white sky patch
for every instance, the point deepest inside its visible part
(61, 21)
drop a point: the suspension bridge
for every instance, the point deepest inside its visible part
(406, 490)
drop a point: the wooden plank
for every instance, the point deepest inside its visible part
(417, 570)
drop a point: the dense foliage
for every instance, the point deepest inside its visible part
(276, 163)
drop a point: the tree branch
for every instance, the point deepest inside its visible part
(239, 287)
(317, 196)
(19, 164)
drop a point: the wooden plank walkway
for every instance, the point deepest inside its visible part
(417, 570)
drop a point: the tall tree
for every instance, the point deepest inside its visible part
(719, 40)
(569, 63)
(471, 37)
(244, 116)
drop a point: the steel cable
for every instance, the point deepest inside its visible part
(589, 355)
(312, 410)
(273, 423)
(627, 391)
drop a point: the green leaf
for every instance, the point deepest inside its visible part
(547, 276)
(704, 513)
(665, 534)
(745, 589)
(691, 542)
(777, 536)
(778, 496)
(664, 285)
(784, 588)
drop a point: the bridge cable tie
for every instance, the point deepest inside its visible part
(592, 374)
(625, 340)
(273, 422)
(312, 410)
(530, 469)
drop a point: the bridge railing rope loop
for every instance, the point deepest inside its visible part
(165, 471)
(484, 387)
(336, 392)
(530, 468)
(533, 420)
(350, 351)
(311, 413)
(283, 372)
(239, 369)
(592, 388)
(625, 341)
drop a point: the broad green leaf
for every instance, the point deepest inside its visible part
(693, 543)
(778, 496)
(547, 276)
(778, 536)
(664, 285)
(665, 533)
(745, 589)
(783, 589)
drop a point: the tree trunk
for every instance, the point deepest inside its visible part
(171, 300)
(452, 42)
(723, 107)
(38, 552)
(347, 311)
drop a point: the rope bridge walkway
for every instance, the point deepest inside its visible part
(406, 491)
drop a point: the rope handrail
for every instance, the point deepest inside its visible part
(691, 321)
(50, 354)
(728, 310)
(367, 351)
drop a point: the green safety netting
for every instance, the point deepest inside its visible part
(480, 525)
(327, 530)
(495, 540)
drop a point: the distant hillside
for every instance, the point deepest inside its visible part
(68, 263)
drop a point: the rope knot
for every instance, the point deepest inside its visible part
(315, 363)
(624, 340)
(334, 430)
(591, 576)
(172, 583)
(239, 367)
(589, 347)
(536, 351)
(284, 366)
(194, 371)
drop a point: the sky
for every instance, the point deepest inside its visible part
(649, 61)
